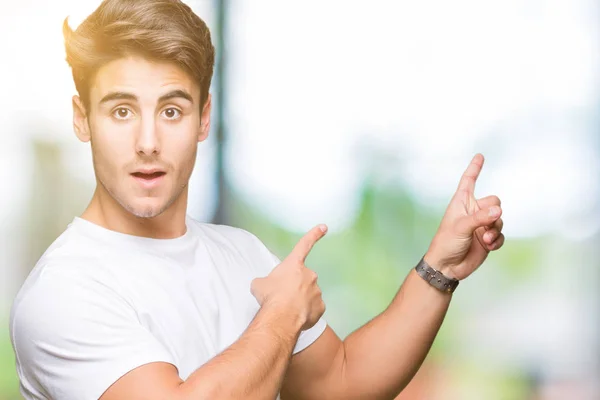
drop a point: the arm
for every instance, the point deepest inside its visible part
(378, 360)
(251, 368)
(254, 366)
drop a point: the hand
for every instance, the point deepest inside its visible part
(469, 230)
(291, 286)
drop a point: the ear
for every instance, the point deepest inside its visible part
(205, 119)
(80, 120)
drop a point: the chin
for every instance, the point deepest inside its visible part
(146, 213)
(146, 209)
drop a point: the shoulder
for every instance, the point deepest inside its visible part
(73, 259)
(66, 272)
(70, 257)
(73, 334)
(67, 284)
(57, 293)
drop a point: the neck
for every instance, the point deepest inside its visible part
(103, 210)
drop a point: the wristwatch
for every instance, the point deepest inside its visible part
(435, 278)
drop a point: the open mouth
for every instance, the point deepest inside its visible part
(148, 177)
(149, 180)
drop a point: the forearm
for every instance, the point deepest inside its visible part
(379, 359)
(382, 356)
(251, 368)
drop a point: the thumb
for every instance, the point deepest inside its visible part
(484, 217)
(257, 288)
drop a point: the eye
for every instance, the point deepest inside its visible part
(122, 113)
(171, 113)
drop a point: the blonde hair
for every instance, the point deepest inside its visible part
(160, 30)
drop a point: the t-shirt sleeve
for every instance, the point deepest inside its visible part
(74, 337)
(308, 336)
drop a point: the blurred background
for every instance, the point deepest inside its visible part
(363, 115)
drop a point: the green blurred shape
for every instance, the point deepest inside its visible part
(9, 383)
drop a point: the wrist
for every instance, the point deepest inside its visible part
(437, 264)
(272, 329)
(435, 277)
(448, 273)
(283, 319)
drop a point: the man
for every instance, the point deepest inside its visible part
(135, 300)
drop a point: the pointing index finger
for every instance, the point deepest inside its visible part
(467, 181)
(306, 243)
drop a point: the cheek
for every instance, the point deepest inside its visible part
(181, 149)
(186, 158)
(110, 148)
(183, 164)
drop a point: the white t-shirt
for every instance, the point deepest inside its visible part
(100, 303)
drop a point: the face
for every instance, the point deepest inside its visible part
(144, 122)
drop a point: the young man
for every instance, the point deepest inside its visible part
(135, 300)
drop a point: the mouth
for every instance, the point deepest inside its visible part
(148, 179)
(148, 176)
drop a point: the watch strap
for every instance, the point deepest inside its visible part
(435, 278)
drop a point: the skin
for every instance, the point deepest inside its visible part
(376, 361)
(379, 359)
(141, 131)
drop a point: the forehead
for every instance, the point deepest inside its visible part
(143, 77)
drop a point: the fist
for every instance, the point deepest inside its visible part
(291, 286)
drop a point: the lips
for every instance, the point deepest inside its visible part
(148, 176)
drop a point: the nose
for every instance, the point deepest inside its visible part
(147, 141)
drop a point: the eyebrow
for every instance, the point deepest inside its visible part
(129, 96)
(182, 94)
